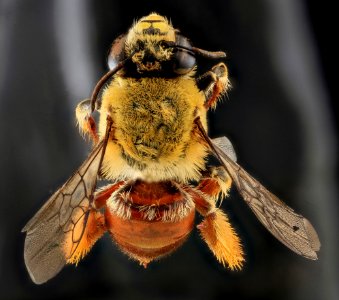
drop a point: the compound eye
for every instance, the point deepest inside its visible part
(117, 52)
(184, 60)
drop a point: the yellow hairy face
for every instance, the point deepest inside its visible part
(145, 40)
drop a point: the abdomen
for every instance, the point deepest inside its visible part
(149, 220)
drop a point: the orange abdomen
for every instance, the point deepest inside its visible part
(149, 220)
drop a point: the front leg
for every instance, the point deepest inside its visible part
(85, 120)
(214, 84)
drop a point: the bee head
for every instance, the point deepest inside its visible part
(152, 46)
(147, 42)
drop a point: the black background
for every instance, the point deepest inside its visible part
(279, 116)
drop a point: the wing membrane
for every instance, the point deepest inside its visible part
(226, 146)
(43, 253)
(292, 229)
(65, 212)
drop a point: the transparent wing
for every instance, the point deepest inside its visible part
(65, 212)
(226, 146)
(292, 229)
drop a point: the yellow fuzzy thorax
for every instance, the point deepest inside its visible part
(153, 119)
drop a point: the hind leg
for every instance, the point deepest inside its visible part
(215, 229)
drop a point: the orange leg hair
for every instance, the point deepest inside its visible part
(216, 229)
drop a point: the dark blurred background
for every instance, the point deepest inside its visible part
(279, 116)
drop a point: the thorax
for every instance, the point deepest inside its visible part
(153, 119)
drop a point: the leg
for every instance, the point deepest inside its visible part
(95, 227)
(214, 83)
(216, 183)
(222, 239)
(216, 229)
(85, 120)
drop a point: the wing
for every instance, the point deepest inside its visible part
(65, 212)
(292, 229)
(226, 146)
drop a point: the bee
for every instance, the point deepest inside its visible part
(151, 144)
